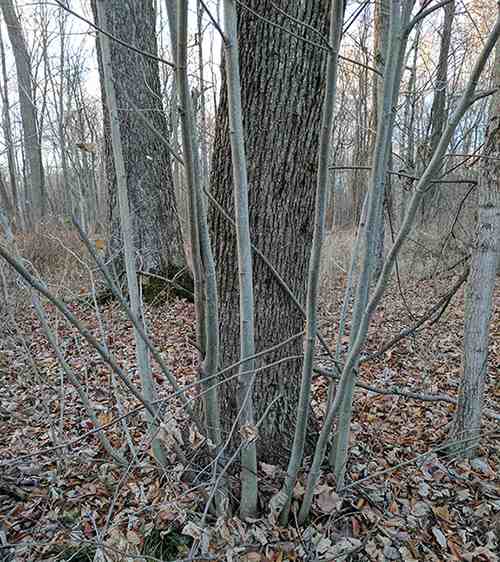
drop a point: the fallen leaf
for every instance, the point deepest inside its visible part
(439, 536)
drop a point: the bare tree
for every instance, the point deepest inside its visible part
(203, 265)
(380, 46)
(36, 192)
(438, 109)
(7, 130)
(156, 228)
(296, 457)
(361, 317)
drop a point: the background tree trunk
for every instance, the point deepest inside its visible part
(380, 44)
(282, 91)
(156, 228)
(33, 152)
(7, 131)
(438, 110)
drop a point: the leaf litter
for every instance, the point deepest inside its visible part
(436, 508)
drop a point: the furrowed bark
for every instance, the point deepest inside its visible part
(297, 454)
(282, 89)
(155, 222)
(142, 353)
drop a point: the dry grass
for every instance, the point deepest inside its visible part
(53, 253)
(426, 253)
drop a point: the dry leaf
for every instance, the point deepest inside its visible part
(248, 433)
(442, 512)
(439, 536)
(329, 501)
(252, 557)
(192, 530)
(134, 538)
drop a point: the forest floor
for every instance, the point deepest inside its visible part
(57, 487)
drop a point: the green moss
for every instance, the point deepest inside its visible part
(158, 288)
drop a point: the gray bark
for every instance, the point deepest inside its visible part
(7, 130)
(126, 227)
(282, 81)
(438, 110)
(480, 286)
(156, 229)
(348, 374)
(5, 201)
(370, 235)
(249, 488)
(381, 44)
(203, 266)
(36, 194)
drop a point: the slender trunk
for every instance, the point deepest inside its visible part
(202, 102)
(249, 488)
(347, 379)
(5, 199)
(375, 205)
(409, 120)
(206, 302)
(62, 137)
(381, 54)
(296, 457)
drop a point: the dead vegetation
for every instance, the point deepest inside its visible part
(406, 499)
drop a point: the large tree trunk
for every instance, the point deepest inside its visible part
(33, 162)
(156, 228)
(282, 92)
(480, 286)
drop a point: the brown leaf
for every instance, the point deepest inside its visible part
(329, 501)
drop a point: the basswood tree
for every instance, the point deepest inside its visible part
(282, 89)
(156, 228)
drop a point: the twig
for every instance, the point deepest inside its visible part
(166, 280)
(113, 37)
(410, 461)
(409, 331)
(423, 13)
(23, 272)
(395, 391)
